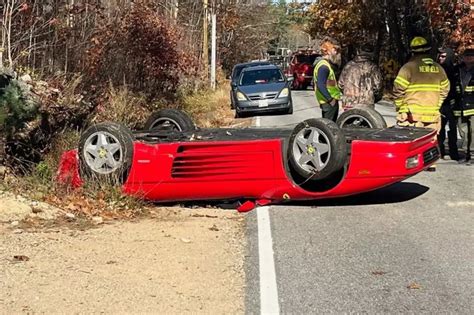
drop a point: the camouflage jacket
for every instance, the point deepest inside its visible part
(361, 82)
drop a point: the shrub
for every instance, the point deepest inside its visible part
(141, 49)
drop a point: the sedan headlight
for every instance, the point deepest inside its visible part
(241, 96)
(284, 93)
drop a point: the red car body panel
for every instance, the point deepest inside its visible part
(254, 169)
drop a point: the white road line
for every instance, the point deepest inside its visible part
(268, 285)
(257, 121)
(460, 204)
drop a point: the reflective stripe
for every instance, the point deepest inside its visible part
(468, 112)
(469, 88)
(402, 81)
(428, 60)
(452, 102)
(424, 109)
(445, 83)
(403, 109)
(432, 89)
(425, 85)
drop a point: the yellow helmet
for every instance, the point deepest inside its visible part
(419, 44)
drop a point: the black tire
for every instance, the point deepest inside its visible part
(320, 163)
(240, 115)
(295, 84)
(289, 111)
(232, 106)
(170, 119)
(111, 144)
(361, 118)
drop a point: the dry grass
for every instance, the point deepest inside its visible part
(123, 106)
(210, 108)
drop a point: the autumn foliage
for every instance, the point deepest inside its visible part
(390, 25)
(142, 50)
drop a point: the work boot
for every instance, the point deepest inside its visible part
(431, 168)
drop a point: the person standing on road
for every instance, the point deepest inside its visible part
(420, 88)
(325, 81)
(361, 80)
(465, 105)
(446, 59)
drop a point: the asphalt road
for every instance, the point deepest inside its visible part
(405, 248)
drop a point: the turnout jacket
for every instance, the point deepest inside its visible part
(465, 93)
(420, 89)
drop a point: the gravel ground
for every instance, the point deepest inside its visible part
(188, 261)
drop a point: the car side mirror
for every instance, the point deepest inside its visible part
(233, 84)
(290, 79)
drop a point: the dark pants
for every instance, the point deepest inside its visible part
(448, 118)
(466, 129)
(330, 112)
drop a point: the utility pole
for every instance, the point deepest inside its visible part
(205, 45)
(213, 50)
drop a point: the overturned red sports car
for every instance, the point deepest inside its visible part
(174, 161)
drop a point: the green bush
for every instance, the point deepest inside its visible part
(17, 107)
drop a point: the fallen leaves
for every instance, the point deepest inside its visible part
(21, 258)
(414, 286)
(214, 228)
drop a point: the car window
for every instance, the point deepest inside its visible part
(306, 58)
(236, 73)
(238, 69)
(261, 77)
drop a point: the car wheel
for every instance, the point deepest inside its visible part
(105, 152)
(361, 118)
(289, 111)
(232, 106)
(296, 84)
(169, 119)
(317, 148)
(240, 114)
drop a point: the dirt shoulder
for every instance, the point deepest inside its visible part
(178, 261)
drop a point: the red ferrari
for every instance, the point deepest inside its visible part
(174, 161)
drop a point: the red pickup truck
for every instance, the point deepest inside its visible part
(301, 68)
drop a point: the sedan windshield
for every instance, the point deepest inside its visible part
(261, 77)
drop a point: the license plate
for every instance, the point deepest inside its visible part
(262, 103)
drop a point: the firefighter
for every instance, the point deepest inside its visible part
(420, 88)
(325, 81)
(361, 80)
(465, 102)
(446, 60)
